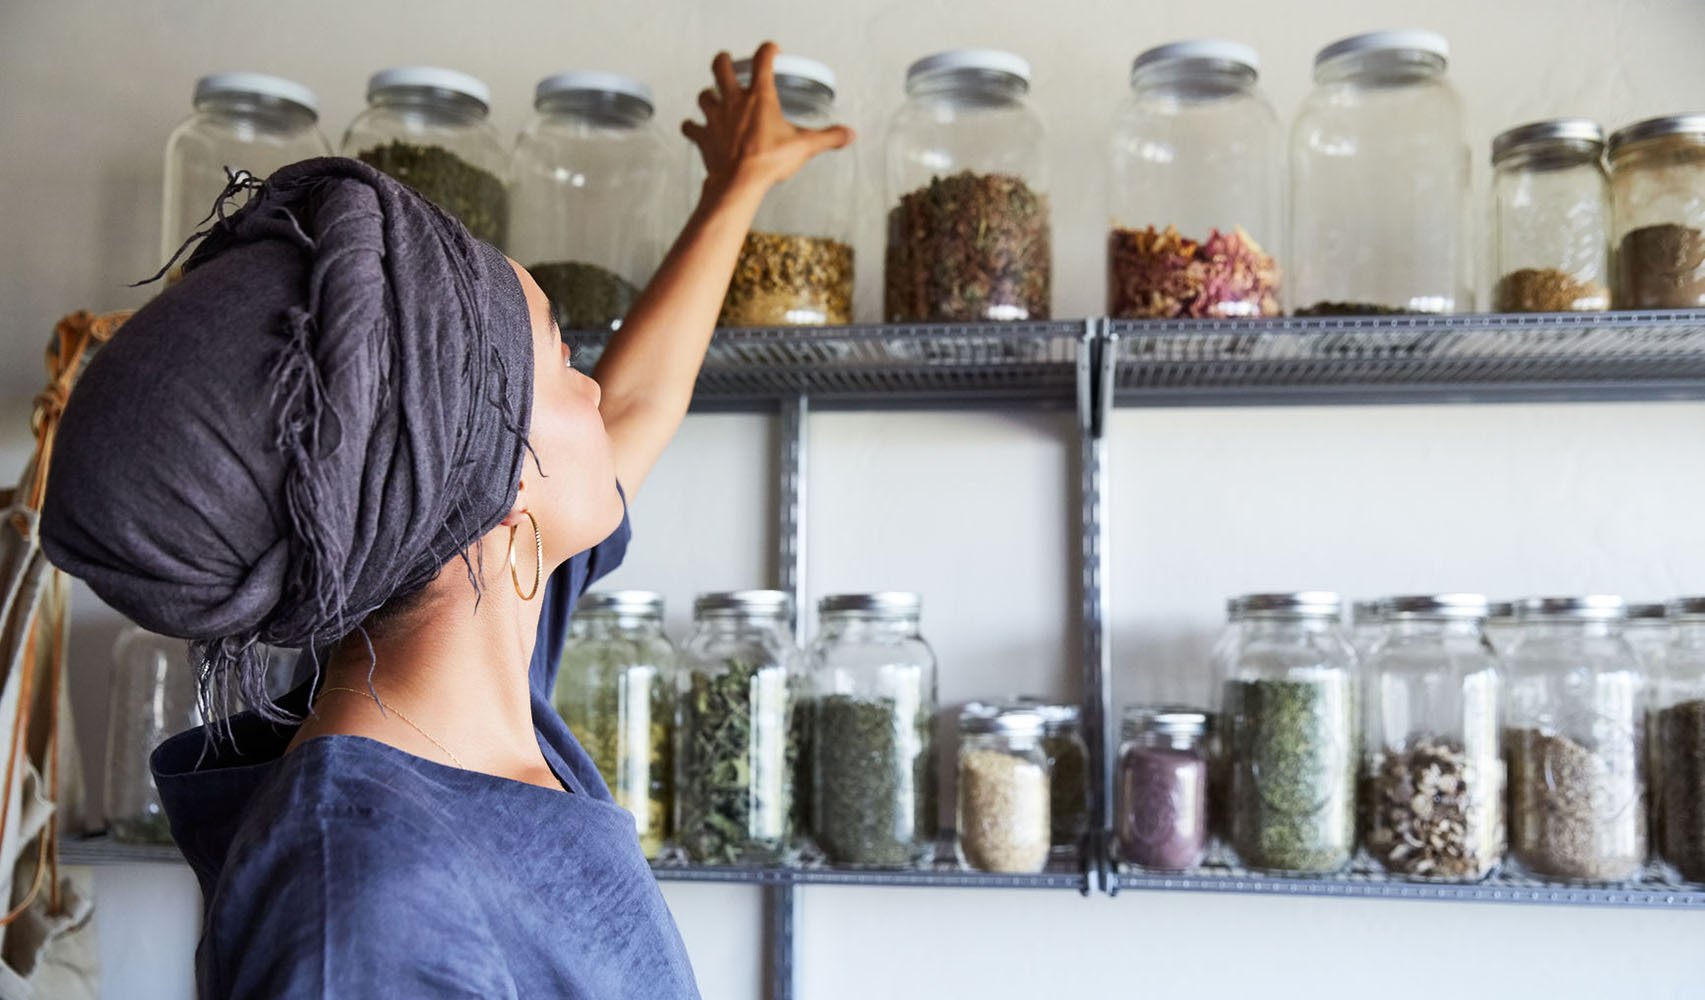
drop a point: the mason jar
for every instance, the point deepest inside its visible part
(1195, 187)
(1573, 721)
(1657, 192)
(242, 122)
(1551, 218)
(428, 128)
(1160, 795)
(591, 178)
(1501, 626)
(1432, 772)
(968, 227)
(735, 754)
(1380, 181)
(1067, 751)
(1677, 739)
(616, 690)
(796, 265)
(872, 694)
(153, 696)
(1002, 807)
(1367, 627)
(1289, 707)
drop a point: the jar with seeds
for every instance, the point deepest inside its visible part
(1003, 814)
(1551, 218)
(1679, 738)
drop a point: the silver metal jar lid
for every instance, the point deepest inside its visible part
(789, 67)
(1004, 720)
(1543, 133)
(1057, 716)
(257, 85)
(969, 60)
(1164, 720)
(1464, 607)
(1657, 128)
(1302, 603)
(1197, 50)
(594, 82)
(450, 81)
(888, 602)
(1687, 607)
(622, 602)
(750, 602)
(1597, 607)
(1425, 42)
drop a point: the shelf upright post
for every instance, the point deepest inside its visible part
(780, 906)
(1093, 400)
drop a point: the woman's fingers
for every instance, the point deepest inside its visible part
(695, 132)
(709, 102)
(764, 68)
(822, 139)
(722, 68)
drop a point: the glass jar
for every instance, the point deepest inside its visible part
(1657, 192)
(796, 266)
(1432, 773)
(1068, 771)
(1195, 188)
(968, 233)
(1367, 627)
(1288, 704)
(1551, 218)
(1679, 733)
(1572, 735)
(427, 127)
(1379, 182)
(590, 179)
(1002, 815)
(735, 754)
(616, 690)
(872, 691)
(242, 121)
(1501, 626)
(153, 696)
(1160, 807)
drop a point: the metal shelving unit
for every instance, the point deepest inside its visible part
(1367, 885)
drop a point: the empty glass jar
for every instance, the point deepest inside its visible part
(1160, 809)
(1195, 187)
(1551, 218)
(1002, 812)
(1678, 739)
(590, 180)
(1657, 190)
(968, 230)
(153, 696)
(427, 127)
(1379, 182)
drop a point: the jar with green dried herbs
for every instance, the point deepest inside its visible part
(428, 128)
(617, 690)
(1068, 770)
(735, 754)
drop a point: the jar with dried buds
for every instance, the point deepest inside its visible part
(1679, 738)
(1194, 187)
(1657, 190)
(1551, 218)
(1432, 773)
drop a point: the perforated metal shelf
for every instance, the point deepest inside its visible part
(1366, 885)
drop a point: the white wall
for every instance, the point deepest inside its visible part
(973, 510)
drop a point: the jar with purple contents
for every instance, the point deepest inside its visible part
(1161, 790)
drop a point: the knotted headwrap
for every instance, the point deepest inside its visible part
(330, 406)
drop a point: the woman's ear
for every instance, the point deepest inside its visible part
(518, 512)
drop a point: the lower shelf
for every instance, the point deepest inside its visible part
(1367, 885)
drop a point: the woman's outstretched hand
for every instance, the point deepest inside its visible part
(744, 138)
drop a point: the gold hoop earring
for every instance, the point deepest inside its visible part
(538, 559)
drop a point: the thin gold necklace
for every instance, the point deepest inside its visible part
(398, 713)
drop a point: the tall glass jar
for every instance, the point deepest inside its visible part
(735, 753)
(872, 691)
(1002, 809)
(1657, 192)
(968, 230)
(153, 696)
(1288, 705)
(1379, 182)
(242, 121)
(1195, 187)
(616, 690)
(1160, 806)
(1551, 218)
(796, 266)
(590, 179)
(1573, 736)
(1678, 734)
(427, 127)
(1432, 772)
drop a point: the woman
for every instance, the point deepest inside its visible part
(351, 427)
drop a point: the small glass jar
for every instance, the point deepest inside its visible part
(1289, 707)
(734, 751)
(242, 121)
(1002, 816)
(1068, 771)
(872, 696)
(1160, 796)
(1678, 784)
(1195, 188)
(590, 179)
(427, 127)
(968, 231)
(153, 696)
(796, 266)
(1657, 192)
(1432, 774)
(1573, 720)
(1379, 182)
(1551, 218)
(616, 690)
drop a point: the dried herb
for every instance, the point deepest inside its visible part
(1068, 787)
(968, 247)
(1003, 811)
(1162, 819)
(1681, 836)
(1291, 749)
(475, 196)
(584, 296)
(1661, 267)
(873, 769)
(1350, 309)
(1435, 811)
(1158, 274)
(1548, 290)
(1575, 812)
(734, 790)
(784, 280)
(804, 715)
